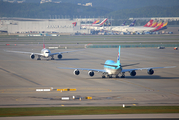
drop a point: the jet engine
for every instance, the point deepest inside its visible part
(133, 73)
(59, 56)
(32, 56)
(150, 71)
(76, 72)
(91, 73)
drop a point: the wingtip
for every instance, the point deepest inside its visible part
(172, 66)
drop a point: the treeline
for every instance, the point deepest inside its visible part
(119, 4)
(69, 10)
(47, 10)
(151, 11)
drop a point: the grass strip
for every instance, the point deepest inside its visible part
(46, 111)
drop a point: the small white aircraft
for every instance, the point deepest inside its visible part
(114, 68)
(44, 53)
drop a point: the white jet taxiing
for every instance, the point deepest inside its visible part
(44, 53)
(114, 68)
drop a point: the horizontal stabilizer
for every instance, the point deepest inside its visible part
(109, 65)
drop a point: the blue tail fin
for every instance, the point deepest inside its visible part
(118, 56)
(123, 23)
(132, 24)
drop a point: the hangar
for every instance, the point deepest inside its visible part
(27, 25)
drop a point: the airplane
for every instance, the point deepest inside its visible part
(123, 23)
(110, 27)
(146, 27)
(149, 24)
(158, 28)
(85, 26)
(95, 22)
(164, 26)
(132, 24)
(112, 68)
(154, 24)
(160, 22)
(158, 25)
(44, 53)
(75, 23)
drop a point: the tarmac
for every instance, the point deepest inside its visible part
(167, 116)
(21, 76)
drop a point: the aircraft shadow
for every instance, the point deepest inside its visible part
(138, 77)
(150, 77)
(59, 59)
(67, 59)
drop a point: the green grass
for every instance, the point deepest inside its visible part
(73, 42)
(45, 111)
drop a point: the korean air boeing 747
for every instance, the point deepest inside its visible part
(112, 68)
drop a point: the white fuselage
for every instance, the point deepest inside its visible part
(133, 29)
(45, 52)
(113, 71)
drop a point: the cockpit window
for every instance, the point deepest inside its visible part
(47, 52)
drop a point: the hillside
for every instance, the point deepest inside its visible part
(120, 4)
(151, 11)
(36, 10)
(69, 10)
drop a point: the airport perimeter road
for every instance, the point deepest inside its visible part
(20, 76)
(101, 117)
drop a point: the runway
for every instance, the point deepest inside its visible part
(21, 76)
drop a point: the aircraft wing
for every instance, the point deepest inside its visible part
(64, 52)
(128, 70)
(87, 69)
(23, 52)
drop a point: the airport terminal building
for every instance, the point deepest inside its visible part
(26, 25)
(30, 26)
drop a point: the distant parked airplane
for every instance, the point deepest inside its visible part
(110, 27)
(146, 27)
(86, 26)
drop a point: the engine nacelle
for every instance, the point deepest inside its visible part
(59, 56)
(133, 73)
(76, 72)
(32, 56)
(91, 73)
(150, 71)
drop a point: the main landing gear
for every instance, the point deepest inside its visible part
(52, 58)
(38, 58)
(117, 76)
(110, 76)
(123, 75)
(104, 76)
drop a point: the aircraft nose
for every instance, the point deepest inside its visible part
(47, 55)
